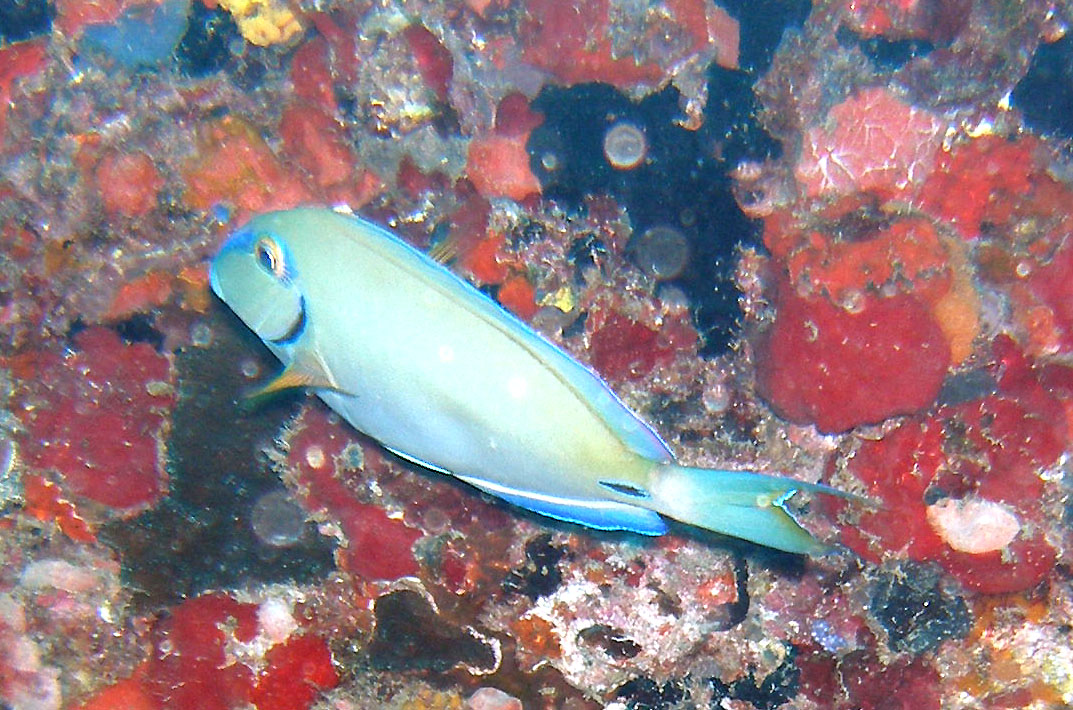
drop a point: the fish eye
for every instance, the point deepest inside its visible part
(270, 257)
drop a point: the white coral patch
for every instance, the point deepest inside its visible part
(973, 525)
(275, 619)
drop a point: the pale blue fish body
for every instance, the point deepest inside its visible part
(418, 359)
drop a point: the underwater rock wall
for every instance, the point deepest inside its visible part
(833, 241)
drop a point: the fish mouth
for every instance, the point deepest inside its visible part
(297, 329)
(241, 242)
(214, 279)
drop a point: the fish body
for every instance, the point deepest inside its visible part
(418, 359)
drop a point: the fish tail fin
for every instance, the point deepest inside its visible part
(751, 506)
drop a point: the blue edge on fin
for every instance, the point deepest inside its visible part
(602, 515)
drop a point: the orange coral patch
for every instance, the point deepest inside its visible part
(498, 166)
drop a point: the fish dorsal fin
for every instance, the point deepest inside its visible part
(444, 251)
(306, 370)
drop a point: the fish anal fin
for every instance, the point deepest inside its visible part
(593, 513)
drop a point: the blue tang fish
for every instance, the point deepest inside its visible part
(421, 361)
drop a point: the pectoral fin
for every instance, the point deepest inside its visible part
(307, 370)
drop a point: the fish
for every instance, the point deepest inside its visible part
(417, 358)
